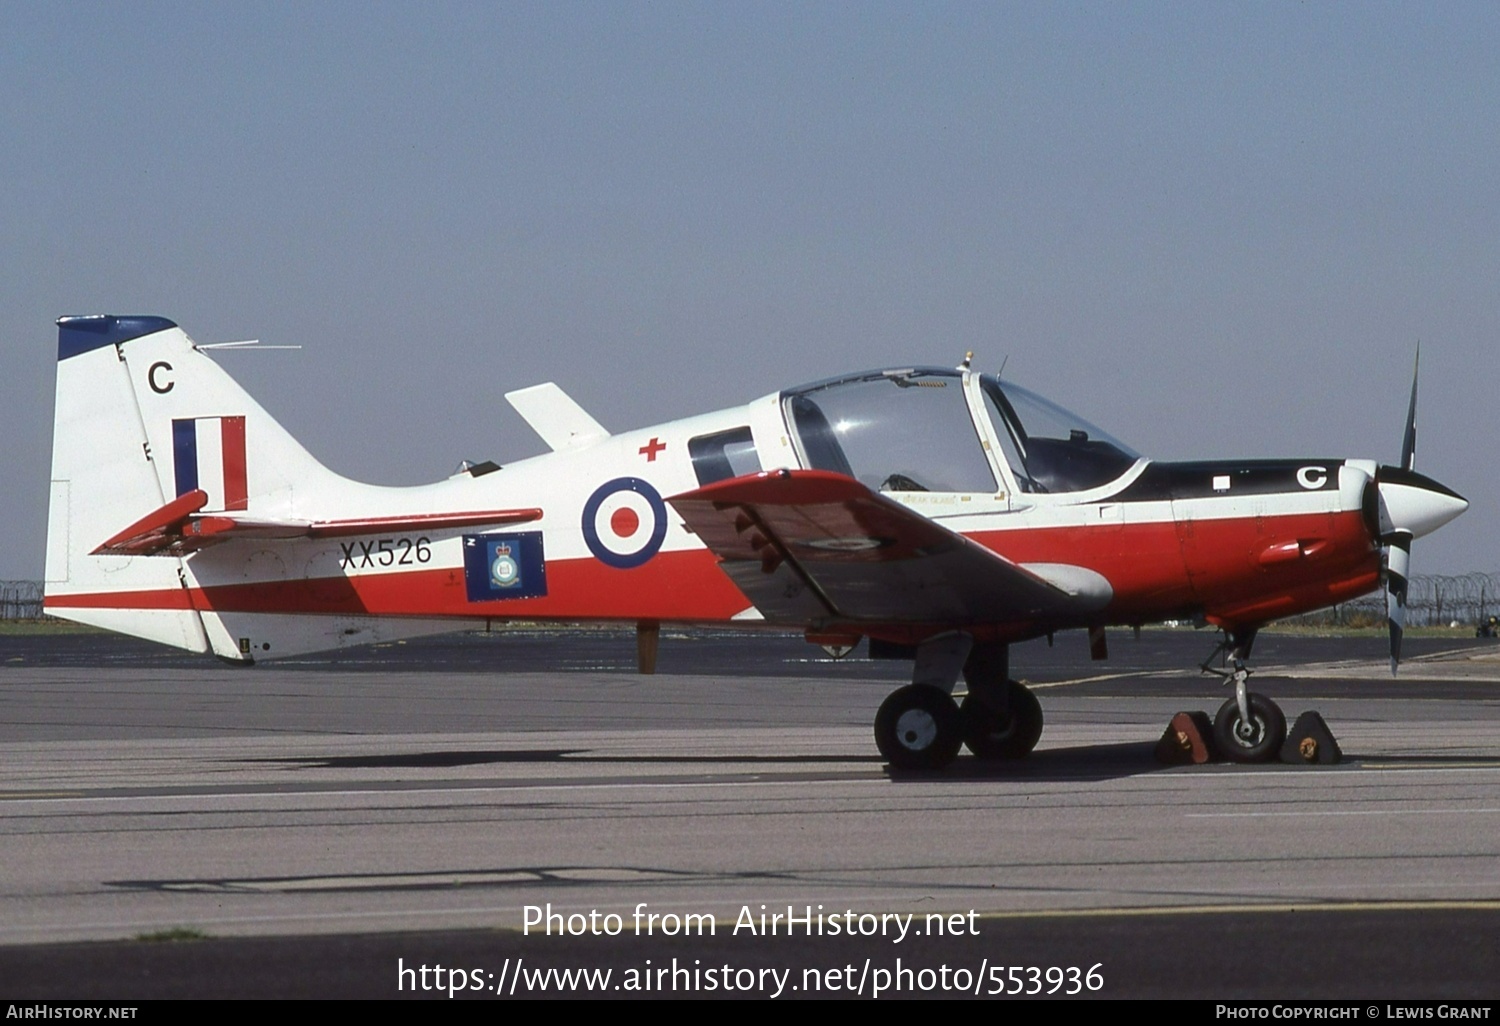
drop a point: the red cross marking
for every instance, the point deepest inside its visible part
(650, 450)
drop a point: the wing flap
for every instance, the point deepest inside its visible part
(862, 556)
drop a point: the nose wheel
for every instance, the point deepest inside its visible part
(1253, 735)
(1249, 727)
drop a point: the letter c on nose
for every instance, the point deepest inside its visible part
(1312, 477)
(158, 387)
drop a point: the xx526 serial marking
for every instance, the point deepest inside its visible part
(385, 552)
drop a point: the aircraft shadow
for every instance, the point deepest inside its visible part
(1083, 762)
(449, 760)
(1080, 762)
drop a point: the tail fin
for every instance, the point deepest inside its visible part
(142, 418)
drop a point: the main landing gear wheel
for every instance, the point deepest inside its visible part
(918, 727)
(1002, 735)
(1257, 739)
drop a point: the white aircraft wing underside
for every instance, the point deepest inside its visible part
(813, 546)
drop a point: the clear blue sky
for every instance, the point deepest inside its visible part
(1213, 229)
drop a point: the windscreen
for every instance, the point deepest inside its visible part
(1051, 449)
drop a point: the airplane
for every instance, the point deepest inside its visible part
(940, 512)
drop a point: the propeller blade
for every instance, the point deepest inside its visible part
(1397, 570)
(1398, 542)
(1409, 439)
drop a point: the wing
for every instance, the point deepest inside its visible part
(816, 546)
(179, 527)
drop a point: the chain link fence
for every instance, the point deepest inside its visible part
(20, 600)
(1432, 600)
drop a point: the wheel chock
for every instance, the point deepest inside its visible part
(1311, 743)
(1189, 738)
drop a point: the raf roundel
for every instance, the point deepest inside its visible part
(624, 522)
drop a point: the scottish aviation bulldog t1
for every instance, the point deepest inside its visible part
(941, 513)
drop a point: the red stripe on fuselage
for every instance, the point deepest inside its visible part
(1157, 570)
(678, 586)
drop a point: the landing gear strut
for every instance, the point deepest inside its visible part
(1249, 727)
(920, 727)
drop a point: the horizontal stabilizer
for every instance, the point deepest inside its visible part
(178, 528)
(862, 556)
(554, 415)
(156, 530)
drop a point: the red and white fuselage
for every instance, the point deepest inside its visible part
(895, 504)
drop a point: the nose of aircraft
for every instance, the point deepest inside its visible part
(1413, 503)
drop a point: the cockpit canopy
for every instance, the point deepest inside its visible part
(919, 429)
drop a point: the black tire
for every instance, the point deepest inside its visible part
(1008, 735)
(1258, 741)
(918, 727)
